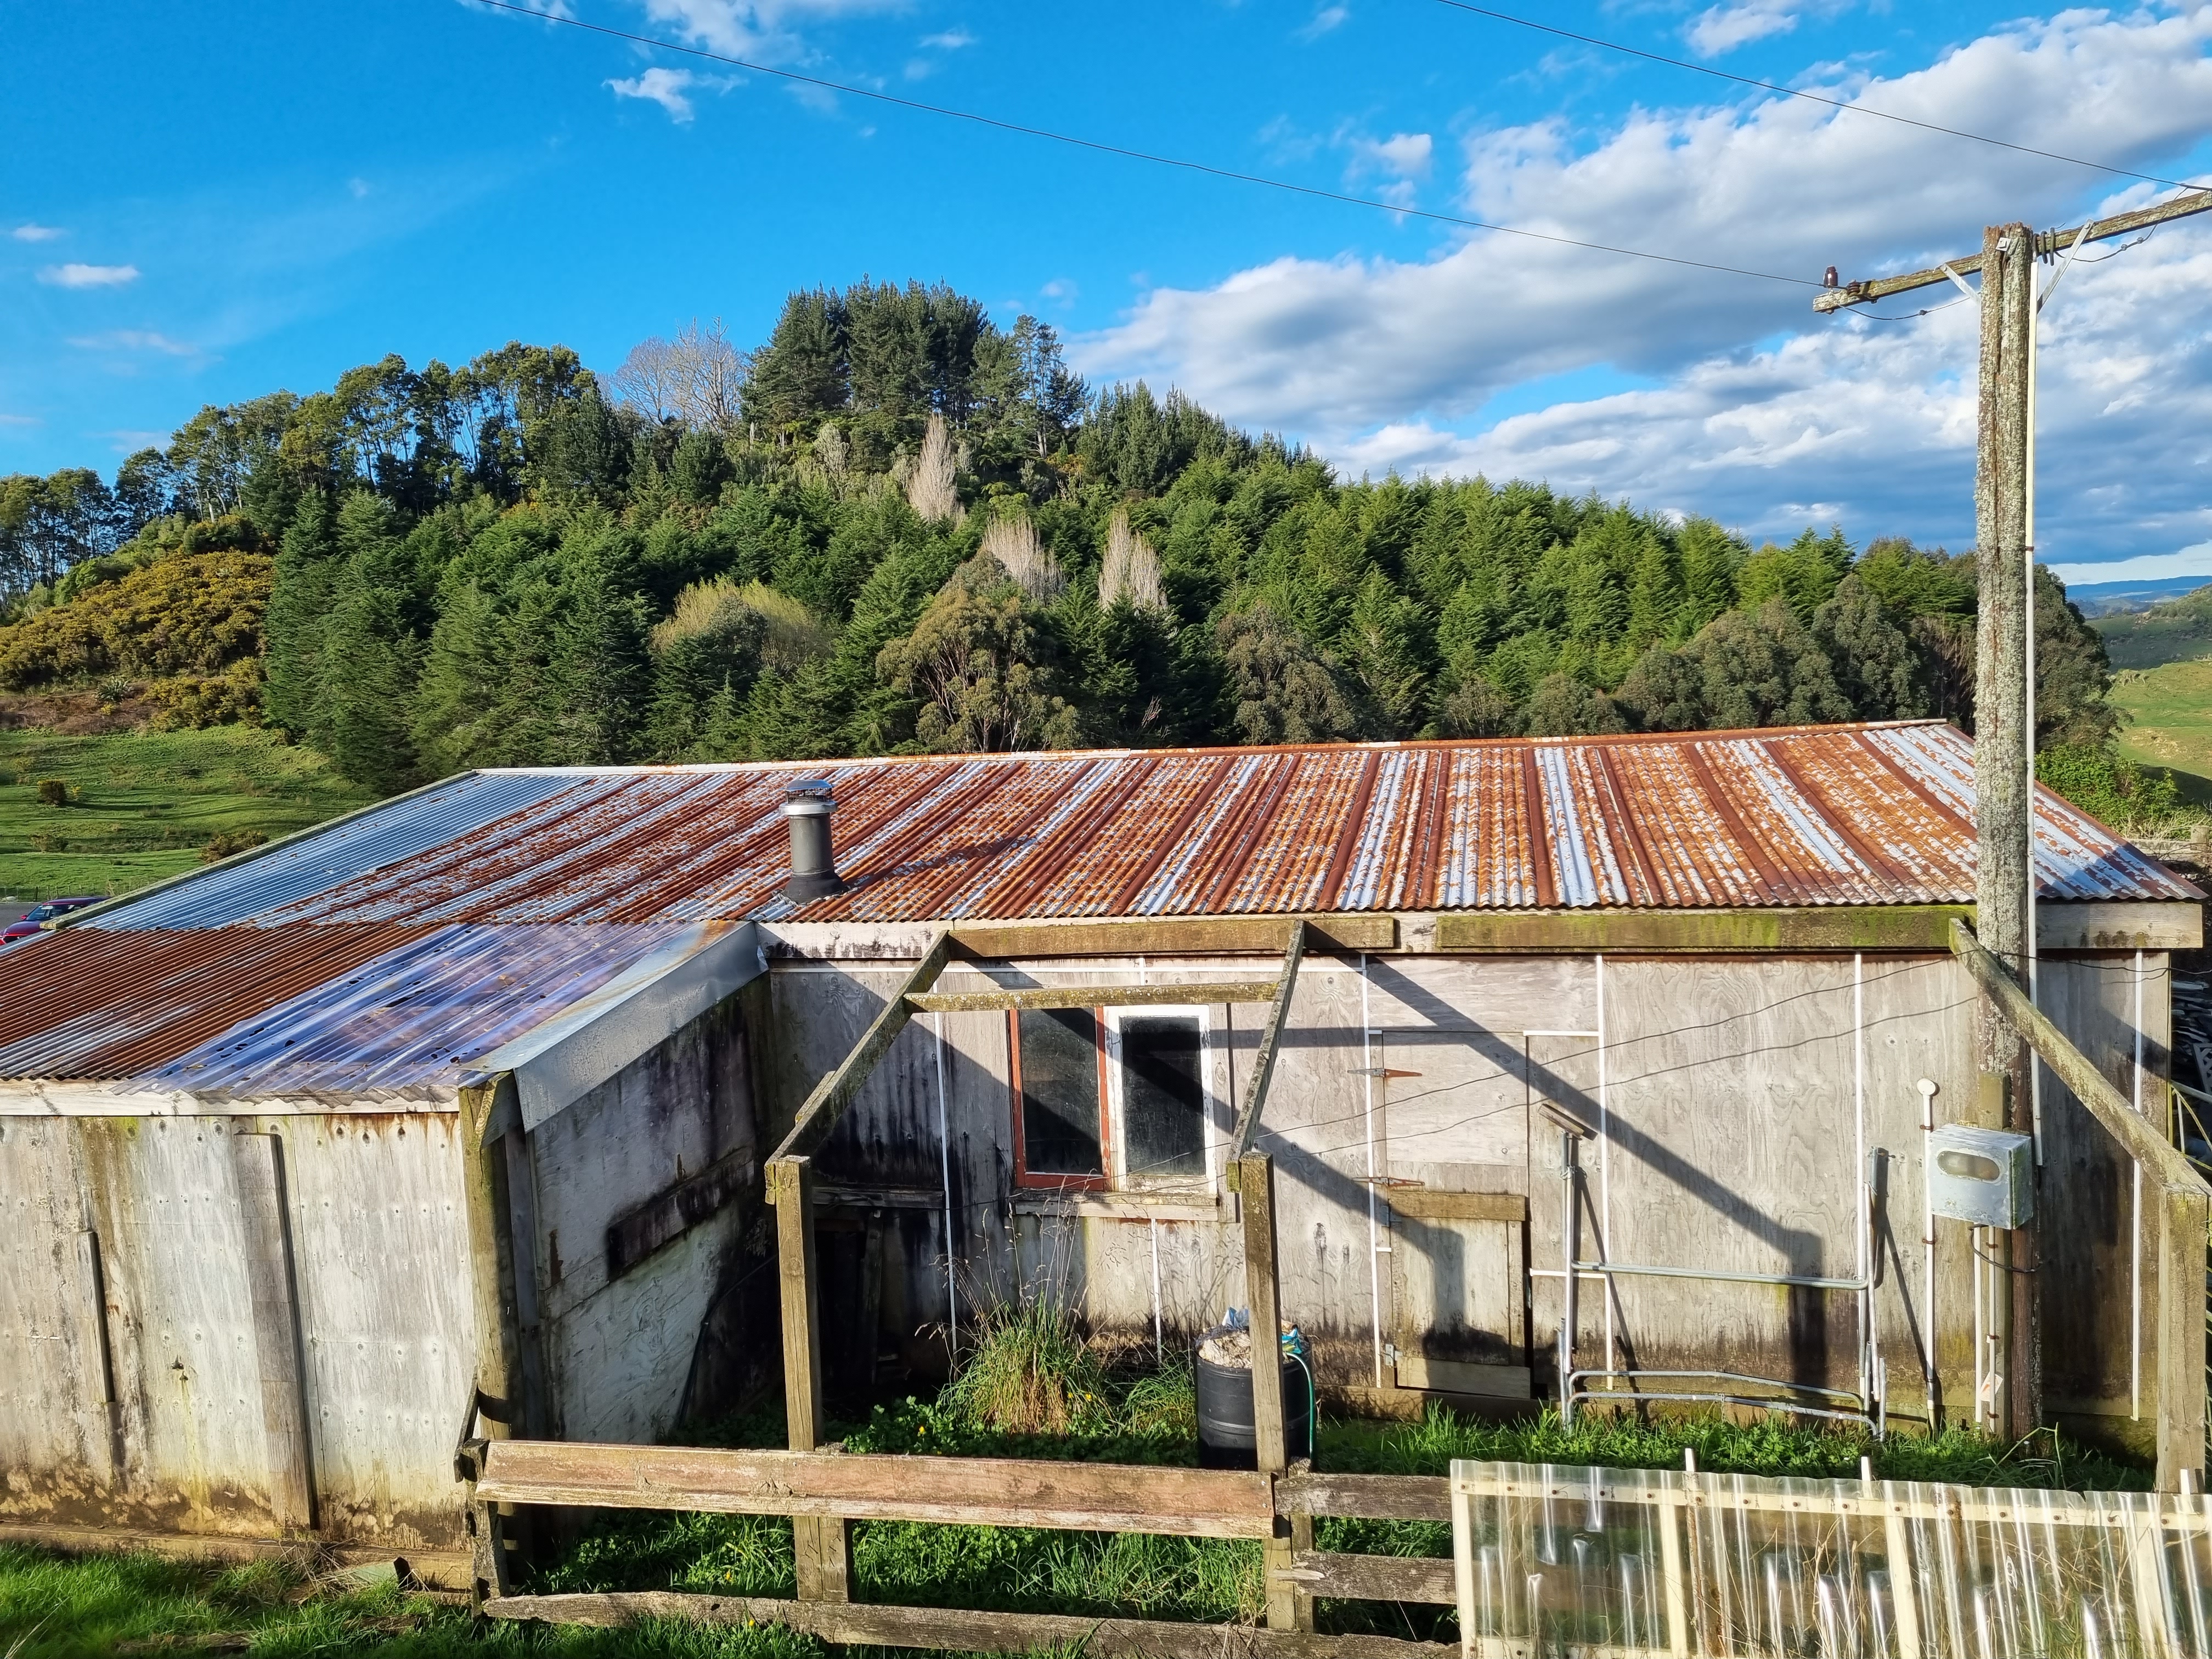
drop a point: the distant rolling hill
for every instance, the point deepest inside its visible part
(2162, 659)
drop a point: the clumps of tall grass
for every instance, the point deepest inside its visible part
(1031, 1384)
(1030, 1372)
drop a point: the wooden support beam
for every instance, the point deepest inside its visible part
(819, 1115)
(1256, 1187)
(2183, 1211)
(1701, 933)
(1173, 936)
(2184, 1215)
(1271, 1042)
(2136, 1134)
(2046, 242)
(821, 1544)
(962, 1631)
(1094, 996)
(1006, 1491)
(1375, 1578)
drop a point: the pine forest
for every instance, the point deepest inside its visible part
(895, 526)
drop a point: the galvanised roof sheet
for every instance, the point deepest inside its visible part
(416, 1015)
(308, 863)
(351, 1008)
(97, 1002)
(1804, 816)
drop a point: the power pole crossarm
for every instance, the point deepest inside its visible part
(2048, 242)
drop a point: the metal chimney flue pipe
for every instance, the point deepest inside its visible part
(808, 805)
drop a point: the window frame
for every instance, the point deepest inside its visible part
(1211, 1136)
(1107, 1048)
(1047, 1180)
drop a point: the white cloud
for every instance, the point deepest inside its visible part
(1723, 28)
(1327, 18)
(19, 420)
(765, 29)
(2143, 567)
(951, 40)
(359, 188)
(1408, 155)
(663, 87)
(77, 276)
(134, 339)
(1377, 360)
(36, 232)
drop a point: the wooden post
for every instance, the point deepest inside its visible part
(1256, 1188)
(2184, 1215)
(2003, 792)
(821, 1544)
(498, 1363)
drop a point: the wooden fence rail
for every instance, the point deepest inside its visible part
(1175, 1502)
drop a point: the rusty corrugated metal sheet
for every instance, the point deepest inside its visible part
(1837, 815)
(416, 1015)
(96, 1002)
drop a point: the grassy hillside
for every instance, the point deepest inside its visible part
(144, 804)
(2174, 631)
(2171, 707)
(2163, 657)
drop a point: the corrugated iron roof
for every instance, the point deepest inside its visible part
(398, 946)
(94, 1002)
(1835, 815)
(416, 1015)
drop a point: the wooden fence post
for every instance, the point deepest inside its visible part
(2185, 1214)
(1256, 1188)
(821, 1544)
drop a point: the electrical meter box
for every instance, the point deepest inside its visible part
(1982, 1176)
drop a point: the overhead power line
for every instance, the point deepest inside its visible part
(1811, 97)
(1128, 154)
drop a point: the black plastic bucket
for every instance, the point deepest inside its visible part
(1225, 1436)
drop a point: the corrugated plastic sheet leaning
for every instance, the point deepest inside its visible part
(392, 948)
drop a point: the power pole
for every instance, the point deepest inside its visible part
(2009, 1375)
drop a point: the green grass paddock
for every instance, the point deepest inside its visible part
(143, 804)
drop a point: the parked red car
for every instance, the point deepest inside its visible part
(30, 922)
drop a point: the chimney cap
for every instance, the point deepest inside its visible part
(806, 797)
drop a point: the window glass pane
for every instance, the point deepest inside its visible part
(1060, 1091)
(1163, 1099)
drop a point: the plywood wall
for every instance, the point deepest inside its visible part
(1732, 1116)
(188, 1395)
(617, 1353)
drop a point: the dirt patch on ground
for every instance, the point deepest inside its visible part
(73, 714)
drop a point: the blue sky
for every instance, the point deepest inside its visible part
(204, 204)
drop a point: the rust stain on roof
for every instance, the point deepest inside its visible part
(94, 1002)
(1835, 815)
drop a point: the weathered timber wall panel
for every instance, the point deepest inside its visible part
(53, 1450)
(376, 1241)
(165, 1201)
(2087, 1232)
(618, 1350)
(1727, 1135)
(380, 1251)
(1735, 1142)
